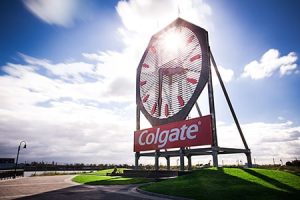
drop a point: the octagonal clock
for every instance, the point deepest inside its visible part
(172, 72)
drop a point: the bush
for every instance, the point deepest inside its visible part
(295, 163)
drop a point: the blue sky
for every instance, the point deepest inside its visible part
(25, 32)
(67, 74)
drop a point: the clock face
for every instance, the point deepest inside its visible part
(172, 72)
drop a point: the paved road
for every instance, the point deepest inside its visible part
(61, 188)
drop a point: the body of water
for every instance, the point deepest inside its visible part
(31, 173)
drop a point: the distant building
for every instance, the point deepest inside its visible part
(7, 163)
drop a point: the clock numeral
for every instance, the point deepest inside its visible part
(190, 39)
(146, 98)
(153, 108)
(192, 80)
(195, 57)
(143, 83)
(180, 100)
(166, 110)
(145, 65)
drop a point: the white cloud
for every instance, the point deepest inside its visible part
(149, 16)
(62, 13)
(76, 80)
(270, 63)
(93, 56)
(78, 108)
(280, 118)
(78, 111)
(72, 72)
(60, 119)
(266, 140)
(227, 75)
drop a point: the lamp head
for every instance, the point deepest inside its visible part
(21, 144)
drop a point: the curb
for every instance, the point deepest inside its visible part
(69, 180)
(160, 195)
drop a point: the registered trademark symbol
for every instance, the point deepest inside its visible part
(199, 123)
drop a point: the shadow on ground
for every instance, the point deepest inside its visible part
(83, 192)
(218, 184)
(271, 181)
(109, 180)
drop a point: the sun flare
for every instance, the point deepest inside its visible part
(172, 42)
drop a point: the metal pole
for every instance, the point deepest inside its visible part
(19, 147)
(168, 162)
(181, 159)
(248, 154)
(215, 156)
(156, 165)
(213, 115)
(249, 160)
(138, 127)
(138, 120)
(17, 161)
(137, 156)
(198, 109)
(229, 102)
(189, 162)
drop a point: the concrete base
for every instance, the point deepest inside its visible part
(153, 173)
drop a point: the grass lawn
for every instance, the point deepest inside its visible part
(100, 178)
(103, 172)
(231, 183)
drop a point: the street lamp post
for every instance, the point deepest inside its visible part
(18, 156)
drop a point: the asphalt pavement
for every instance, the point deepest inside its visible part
(62, 188)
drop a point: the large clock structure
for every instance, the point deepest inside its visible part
(172, 73)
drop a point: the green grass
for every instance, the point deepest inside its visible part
(231, 183)
(55, 174)
(103, 172)
(100, 178)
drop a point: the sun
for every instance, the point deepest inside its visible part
(172, 42)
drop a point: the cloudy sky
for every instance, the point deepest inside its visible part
(67, 75)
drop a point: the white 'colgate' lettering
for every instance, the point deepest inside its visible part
(175, 134)
(140, 138)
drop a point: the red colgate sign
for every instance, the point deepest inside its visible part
(193, 132)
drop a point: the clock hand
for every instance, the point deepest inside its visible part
(169, 105)
(160, 80)
(173, 71)
(191, 70)
(176, 62)
(169, 63)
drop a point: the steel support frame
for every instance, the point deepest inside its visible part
(213, 116)
(168, 162)
(195, 152)
(214, 150)
(138, 127)
(248, 152)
